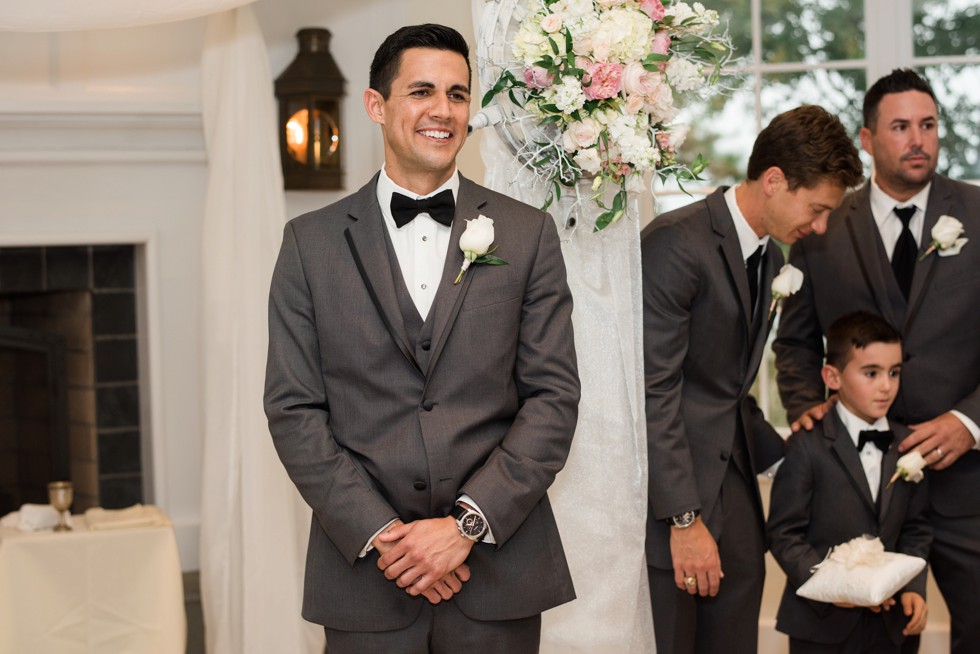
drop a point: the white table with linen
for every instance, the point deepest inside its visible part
(91, 591)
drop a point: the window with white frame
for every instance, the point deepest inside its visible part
(828, 52)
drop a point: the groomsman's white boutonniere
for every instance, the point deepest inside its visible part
(909, 468)
(477, 245)
(788, 281)
(946, 238)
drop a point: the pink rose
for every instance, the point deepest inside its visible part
(537, 77)
(607, 80)
(551, 23)
(660, 43)
(653, 8)
(639, 80)
(634, 103)
(584, 133)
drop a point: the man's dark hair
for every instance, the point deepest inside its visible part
(388, 58)
(810, 146)
(857, 330)
(899, 80)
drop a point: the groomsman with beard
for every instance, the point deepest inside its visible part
(877, 256)
(707, 271)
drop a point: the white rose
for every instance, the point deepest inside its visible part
(910, 467)
(634, 103)
(584, 133)
(551, 23)
(946, 231)
(788, 281)
(589, 160)
(477, 238)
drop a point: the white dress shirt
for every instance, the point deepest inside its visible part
(871, 456)
(748, 240)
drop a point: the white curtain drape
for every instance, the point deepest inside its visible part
(253, 522)
(600, 497)
(69, 15)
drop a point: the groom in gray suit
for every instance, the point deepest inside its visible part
(707, 270)
(875, 257)
(424, 420)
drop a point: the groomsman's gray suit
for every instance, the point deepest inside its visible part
(378, 415)
(702, 347)
(848, 270)
(820, 499)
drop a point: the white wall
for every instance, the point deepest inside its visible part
(100, 141)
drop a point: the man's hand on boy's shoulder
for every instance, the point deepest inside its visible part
(940, 441)
(813, 415)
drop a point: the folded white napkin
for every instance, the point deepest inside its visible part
(138, 515)
(32, 517)
(862, 573)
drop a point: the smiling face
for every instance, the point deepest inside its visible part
(789, 215)
(904, 143)
(869, 382)
(424, 118)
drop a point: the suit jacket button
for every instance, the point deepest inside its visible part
(419, 485)
(724, 456)
(426, 345)
(427, 405)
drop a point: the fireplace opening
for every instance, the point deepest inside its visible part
(69, 375)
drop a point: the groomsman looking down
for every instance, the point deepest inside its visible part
(707, 273)
(423, 411)
(878, 255)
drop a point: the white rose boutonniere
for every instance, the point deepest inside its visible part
(788, 281)
(477, 245)
(909, 468)
(946, 238)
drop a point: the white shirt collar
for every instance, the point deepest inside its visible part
(748, 240)
(855, 425)
(386, 187)
(882, 204)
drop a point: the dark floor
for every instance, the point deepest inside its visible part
(195, 618)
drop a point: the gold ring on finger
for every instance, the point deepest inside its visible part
(939, 452)
(690, 582)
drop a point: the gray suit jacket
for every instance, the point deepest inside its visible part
(701, 357)
(372, 426)
(847, 270)
(820, 499)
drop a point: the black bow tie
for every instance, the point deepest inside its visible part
(440, 206)
(881, 439)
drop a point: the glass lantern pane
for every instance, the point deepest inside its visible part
(812, 31)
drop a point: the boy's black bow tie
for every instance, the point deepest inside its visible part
(440, 206)
(881, 439)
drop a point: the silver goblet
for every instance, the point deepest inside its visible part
(60, 495)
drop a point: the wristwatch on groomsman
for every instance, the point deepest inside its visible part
(471, 524)
(683, 520)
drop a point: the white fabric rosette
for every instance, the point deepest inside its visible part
(862, 573)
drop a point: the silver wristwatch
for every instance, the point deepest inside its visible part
(684, 520)
(471, 524)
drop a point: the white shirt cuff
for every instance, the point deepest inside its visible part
(488, 537)
(971, 426)
(369, 546)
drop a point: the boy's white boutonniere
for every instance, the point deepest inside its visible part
(946, 238)
(477, 245)
(788, 281)
(909, 468)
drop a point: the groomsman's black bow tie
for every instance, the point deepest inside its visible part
(440, 206)
(881, 439)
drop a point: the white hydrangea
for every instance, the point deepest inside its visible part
(623, 35)
(633, 140)
(567, 95)
(531, 42)
(684, 75)
(588, 160)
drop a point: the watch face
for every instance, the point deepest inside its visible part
(472, 525)
(685, 519)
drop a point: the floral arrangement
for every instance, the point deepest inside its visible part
(603, 76)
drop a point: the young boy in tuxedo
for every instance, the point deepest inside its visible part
(833, 486)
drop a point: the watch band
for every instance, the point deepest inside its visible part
(684, 520)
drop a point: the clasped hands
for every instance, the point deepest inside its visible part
(425, 557)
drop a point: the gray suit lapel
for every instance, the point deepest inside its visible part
(731, 251)
(871, 256)
(847, 454)
(939, 203)
(449, 296)
(366, 239)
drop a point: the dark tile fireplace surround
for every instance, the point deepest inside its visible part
(69, 377)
